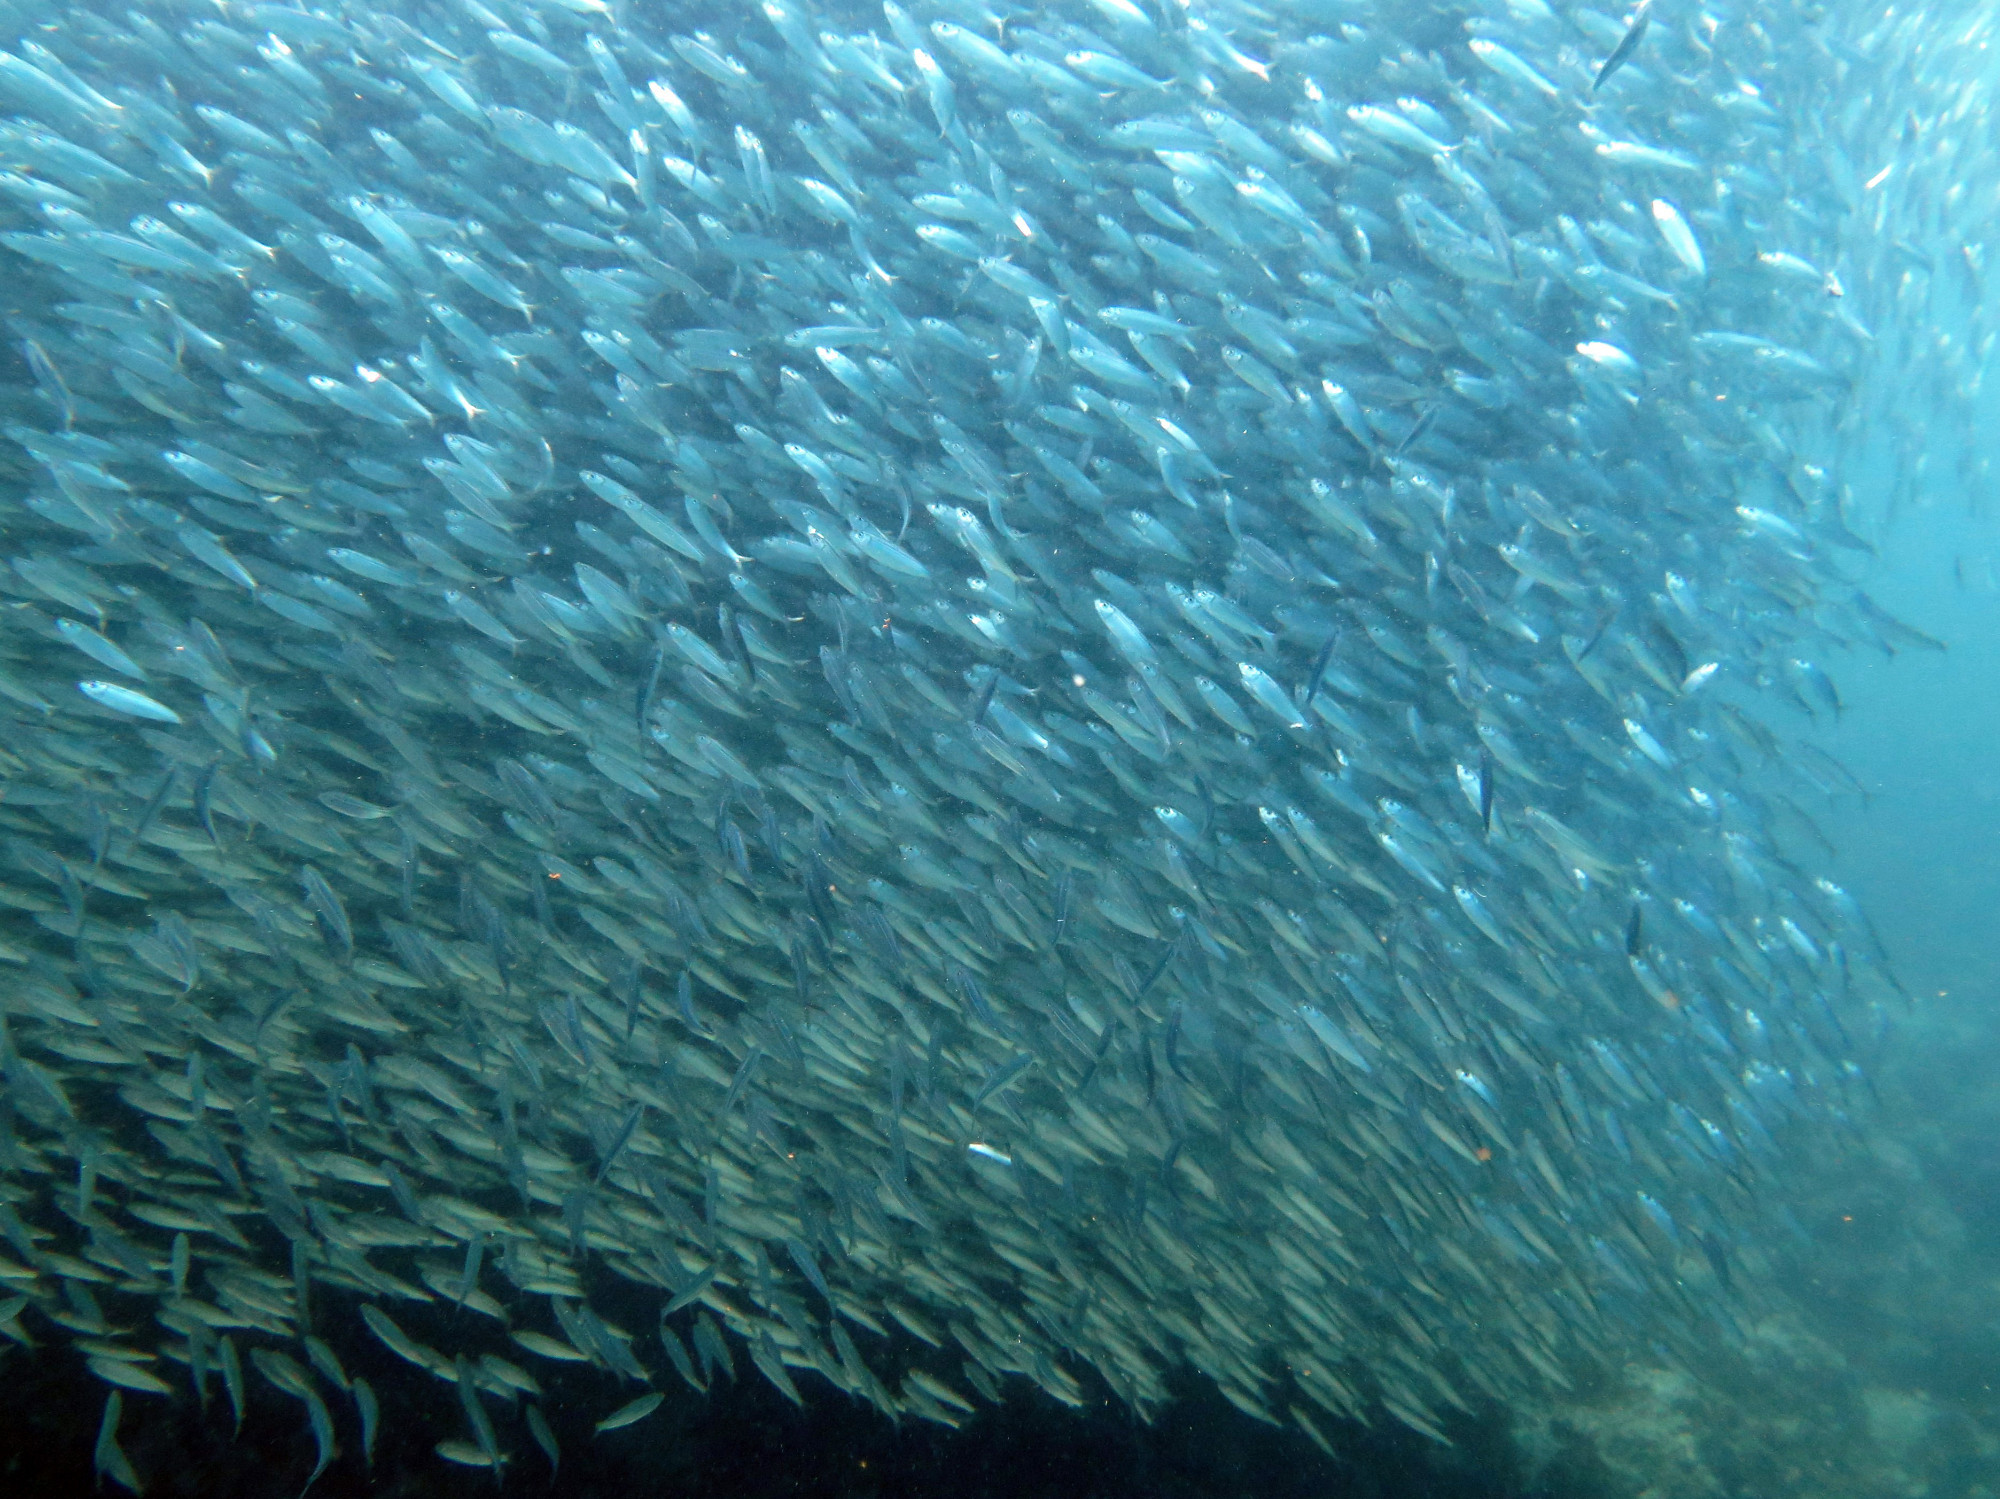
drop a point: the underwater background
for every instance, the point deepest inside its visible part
(1084, 748)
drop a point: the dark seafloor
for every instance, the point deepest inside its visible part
(749, 1442)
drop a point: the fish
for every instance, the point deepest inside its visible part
(109, 1459)
(329, 914)
(128, 701)
(538, 1427)
(1628, 44)
(370, 1410)
(1193, 722)
(632, 1412)
(99, 649)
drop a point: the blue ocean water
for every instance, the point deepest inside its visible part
(1088, 747)
(1918, 733)
(1906, 1244)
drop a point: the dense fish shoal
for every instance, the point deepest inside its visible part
(1090, 685)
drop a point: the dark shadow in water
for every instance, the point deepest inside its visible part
(746, 1442)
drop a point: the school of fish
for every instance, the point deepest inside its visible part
(1092, 687)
